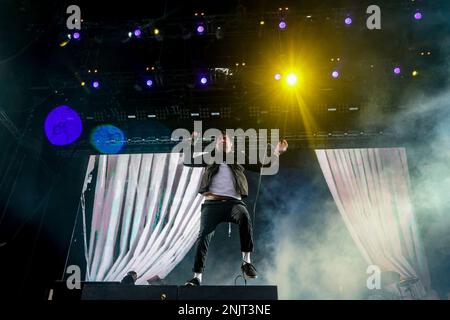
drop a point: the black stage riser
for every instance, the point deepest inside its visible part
(117, 291)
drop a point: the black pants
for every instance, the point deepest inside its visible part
(215, 212)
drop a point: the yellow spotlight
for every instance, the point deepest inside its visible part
(291, 79)
(415, 73)
(261, 22)
(83, 83)
(64, 43)
(156, 32)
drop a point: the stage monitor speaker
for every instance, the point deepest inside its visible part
(117, 291)
(228, 293)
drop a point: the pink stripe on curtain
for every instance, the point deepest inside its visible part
(371, 190)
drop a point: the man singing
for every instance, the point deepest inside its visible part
(224, 186)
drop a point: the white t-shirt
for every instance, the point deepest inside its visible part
(222, 183)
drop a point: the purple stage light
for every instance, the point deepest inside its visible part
(418, 15)
(277, 76)
(335, 74)
(282, 25)
(203, 80)
(137, 33)
(96, 84)
(149, 83)
(63, 126)
(397, 70)
(200, 29)
(348, 21)
(76, 35)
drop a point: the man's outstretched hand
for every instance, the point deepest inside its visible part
(281, 147)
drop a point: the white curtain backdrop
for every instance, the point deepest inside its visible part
(145, 216)
(371, 190)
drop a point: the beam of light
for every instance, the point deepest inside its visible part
(63, 126)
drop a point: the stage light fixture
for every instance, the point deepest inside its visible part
(149, 83)
(203, 80)
(83, 83)
(418, 15)
(64, 43)
(282, 25)
(76, 35)
(219, 33)
(137, 33)
(397, 70)
(291, 79)
(348, 21)
(277, 76)
(335, 74)
(130, 34)
(200, 29)
(95, 84)
(261, 22)
(156, 32)
(415, 73)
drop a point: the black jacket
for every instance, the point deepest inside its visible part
(240, 180)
